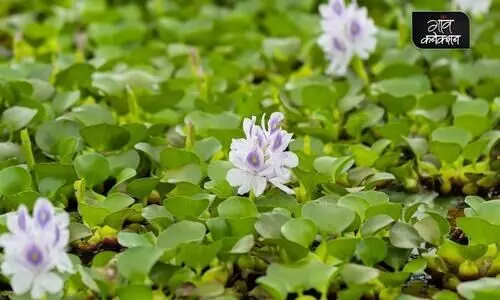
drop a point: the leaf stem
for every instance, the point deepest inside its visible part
(359, 68)
(26, 148)
(251, 195)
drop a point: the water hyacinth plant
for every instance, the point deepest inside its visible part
(261, 157)
(348, 32)
(247, 149)
(35, 249)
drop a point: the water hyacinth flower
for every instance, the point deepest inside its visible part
(261, 157)
(475, 7)
(347, 32)
(334, 9)
(35, 249)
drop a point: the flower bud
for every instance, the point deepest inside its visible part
(470, 188)
(219, 274)
(451, 282)
(468, 270)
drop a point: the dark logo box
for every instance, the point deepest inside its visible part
(440, 30)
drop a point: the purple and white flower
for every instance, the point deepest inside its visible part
(347, 32)
(261, 157)
(475, 7)
(35, 248)
(334, 9)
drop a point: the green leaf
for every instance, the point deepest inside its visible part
(126, 160)
(376, 223)
(451, 135)
(17, 117)
(64, 100)
(135, 263)
(269, 225)
(476, 107)
(402, 87)
(489, 211)
(301, 231)
(92, 167)
(393, 210)
(75, 75)
(371, 250)
(85, 274)
(172, 158)
(342, 248)
(132, 239)
(398, 105)
(78, 231)
(132, 292)
(206, 148)
(117, 201)
(218, 169)
(469, 290)
(243, 245)
(404, 236)
(475, 149)
(362, 119)
(327, 217)
(50, 134)
(181, 233)
(448, 142)
(191, 173)
(203, 121)
(317, 96)
(415, 266)
(474, 202)
(237, 207)
(142, 187)
(291, 279)
(199, 256)
(183, 207)
(92, 215)
(358, 274)
(479, 230)
(105, 137)
(428, 228)
(14, 180)
(364, 156)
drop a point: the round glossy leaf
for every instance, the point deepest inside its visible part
(237, 207)
(269, 225)
(404, 236)
(301, 231)
(93, 167)
(371, 250)
(183, 207)
(451, 135)
(17, 117)
(376, 223)
(181, 233)
(135, 263)
(14, 180)
(50, 134)
(327, 217)
(358, 274)
(105, 137)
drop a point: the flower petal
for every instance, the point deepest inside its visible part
(277, 183)
(290, 159)
(64, 264)
(50, 282)
(21, 282)
(244, 188)
(236, 177)
(43, 212)
(258, 185)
